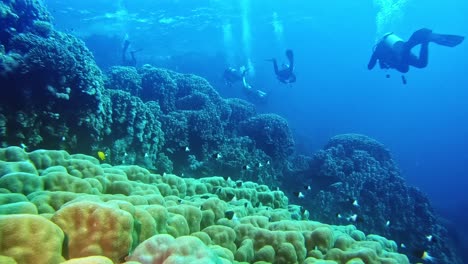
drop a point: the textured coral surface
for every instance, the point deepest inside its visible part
(58, 207)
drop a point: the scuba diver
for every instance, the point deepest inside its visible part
(232, 75)
(286, 74)
(254, 94)
(392, 52)
(125, 60)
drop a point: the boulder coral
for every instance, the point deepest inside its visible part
(364, 171)
(40, 64)
(271, 134)
(126, 214)
(167, 249)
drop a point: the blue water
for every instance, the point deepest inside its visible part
(423, 123)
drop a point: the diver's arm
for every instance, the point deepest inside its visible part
(372, 61)
(244, 83)
(275, 66)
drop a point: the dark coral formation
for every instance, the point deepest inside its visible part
(198, 124)
(51, 87)
(271, 134)
(124, 78)
(364, 171)
(54, 96)
(23, 16)
(133, 126)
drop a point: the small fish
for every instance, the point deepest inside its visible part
(302, 209)
(352, 218)
(235, 219)
(246, 167)
(101, 155)
(63, 138)
(259, 165)
(246, 204)
(336, 184)
(164, 174)
(268, 162)
(229, 214)
(402, 245)
(238, 184)
(23, 146)
(228, 179)
(403, 79)
(146, 155)
(187, 149)
(387, 224)
(299, 195)
(424, 255)
(355, 203)
(307, 188)
(216, 156)
(234, 199)
(339, 216)
(430, 238)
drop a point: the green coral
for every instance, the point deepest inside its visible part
(109, 211)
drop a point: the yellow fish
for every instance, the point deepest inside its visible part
(101, 155)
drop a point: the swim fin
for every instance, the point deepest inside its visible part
(290, 56)
(446, 40)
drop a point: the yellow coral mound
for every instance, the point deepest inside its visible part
(106, 214)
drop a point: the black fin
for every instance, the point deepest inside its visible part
(290, 55)
(446, 40)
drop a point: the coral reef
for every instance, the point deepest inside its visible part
(198, 123)
(55, 97)
(47, 77)
(133, 125)
(363, 172)
(124, 78)
(125, 214)
(271, 134)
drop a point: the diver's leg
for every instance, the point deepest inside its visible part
(124, 52)
(275, 66)
(420, 36)
(133, 60)
(422, 60)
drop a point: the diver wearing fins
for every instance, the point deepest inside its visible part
(394, 53)
(286, 74)
(125, 60)
(255, 94)
(232, 75)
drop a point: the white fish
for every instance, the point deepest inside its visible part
(352, 217)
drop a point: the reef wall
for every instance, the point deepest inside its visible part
(56, 207)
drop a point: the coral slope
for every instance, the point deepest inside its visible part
(55, 207)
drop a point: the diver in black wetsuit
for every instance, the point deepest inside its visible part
(254, 94)
(286, 74)
(232, 75)
(392, 52)
(125, 60)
